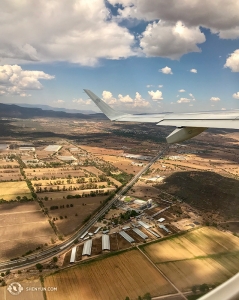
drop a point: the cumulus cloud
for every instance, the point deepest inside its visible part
(157, 95)
(16, 81)
(181, 91)
(172, 41)
(215, 99)
(236, 95)
(208, 14)
(59, 101)
(68, 30)
(125, 99)
(183, 100)
(135, 102)
(82, 102)
(160, 85)
(108, 97)
(232, 61)
(193, 71)
(166, 70)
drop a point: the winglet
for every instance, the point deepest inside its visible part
(105, 108)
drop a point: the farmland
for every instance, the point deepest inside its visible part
(201, 242)
(23, 228)
(75, 209)
(10, 190)
(205, 255)
(113, 277)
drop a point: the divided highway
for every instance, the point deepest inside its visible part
(58, 249)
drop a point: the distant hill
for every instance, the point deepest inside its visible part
(15, 111)
(48, 107)
(206, 191)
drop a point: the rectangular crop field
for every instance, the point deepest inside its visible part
(201, 242)
(10, 190)
(187, 273)
(126, 274)
(23, 227)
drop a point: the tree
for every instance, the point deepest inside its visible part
(204, 287)
(147, 296)
(39, 267)
(194, 289)
(54, 259)
(127, 298)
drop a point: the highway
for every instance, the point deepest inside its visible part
(61, 248)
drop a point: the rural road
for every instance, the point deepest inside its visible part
(61, 248)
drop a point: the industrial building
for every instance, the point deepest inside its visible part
(126, 236)
(140, 233)
(87, 248)
(146, 226)
(73, 255)
(165, 228)
(105, 242)
(53, 148)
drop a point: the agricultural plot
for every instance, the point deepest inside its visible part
(205, 255)
(23, 227)
(72, 216)
(127, 274)
(187, 273)
(122, 163)
(50, 173)
(201, 242)
(10, 190)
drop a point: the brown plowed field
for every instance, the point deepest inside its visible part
(127, 274)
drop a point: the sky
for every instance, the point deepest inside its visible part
(137, 55)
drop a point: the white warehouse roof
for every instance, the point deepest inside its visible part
(144, 224)
(53, 148)
(87, 248)
(126, 236)
(161, 220)
(140, 233)
(73, 255)
(105, 242)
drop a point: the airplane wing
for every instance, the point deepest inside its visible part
(188, 124)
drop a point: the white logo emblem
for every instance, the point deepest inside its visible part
(15, 288)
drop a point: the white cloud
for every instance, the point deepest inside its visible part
(223, 108)
(160, 85)
(76, 31)
(215, 99)
(221, 16)
(191, 95)
(108, 97)
(59, 101)
(236, 95)
(16, 81)
(183, 100)
(139, 101)
(172, 41)
(149, 85)
(166, 70)
(132, 103)
(232, 61)
(157, 95)
(181, 91)
(193, 71)
(82, 102)
(125, 99)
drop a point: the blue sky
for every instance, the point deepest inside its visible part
(121, 52)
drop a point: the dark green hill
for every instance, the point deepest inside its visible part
(205, 190)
